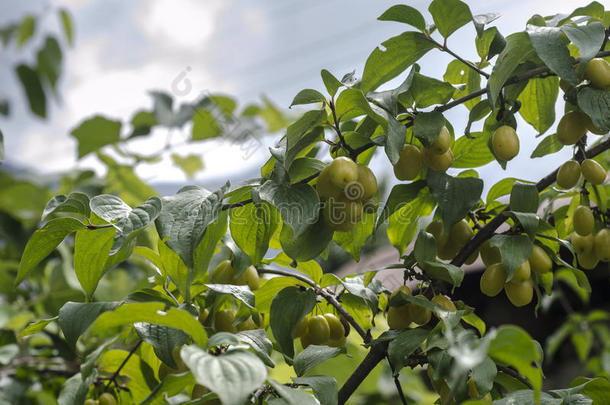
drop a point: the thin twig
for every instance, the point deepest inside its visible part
(125, 360)
(443, 48)
(514, 374)
(324, 293)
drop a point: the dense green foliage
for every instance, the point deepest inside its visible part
(218, 296)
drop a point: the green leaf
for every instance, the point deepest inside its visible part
(425, 247)
(490, 43)
(299, 128)
(426, 91)
(287, 308)
(91, 251)
(152, 312)
(400, 195)
(185, 216)
(290, 396)
(94, 133)
(449, 15)
(260, 343)
(303, 145)
(206, 248)
(515, 250)
(30, 80)
(142, 122)
(233, 375)
(553, 51)
(548, 145)
(163, 339)
(459, 73)
(481, 20)
(355, 286)
(75, 389)
(455, 196)
(395, 139)
(26, 30)
(403, 345)
(538, 102)
(36, 327)
(314, 355)
(501, 188)
(587, 38)
(323, 386)
(66, 23)
(484, 374)
(404, 14)
(524, 198)
(239, 292)
(308, 96)
(404, 221)
(298, 204)
(518, 49)
(399, 53)
(75, 203)
(174, 267)
(352, 103)
(304, 167)
(529, 222)
(471, 152)
(596, 104)
(76, 317)
(205, 125)
(427, 126)
(598, 389)
(354, 240)
(43, 242)
(309, 268)
(163, 109)
(190, 164)
(126, 220)
(49, 61)
(443, 271)
(514, 347)
(528, 397)
(252, 227)
(331, 83)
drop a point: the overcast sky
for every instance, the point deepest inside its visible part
(238, 47)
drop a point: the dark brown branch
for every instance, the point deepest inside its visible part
(490, 228)
(324, 293)
(514, 374)
(374, 356)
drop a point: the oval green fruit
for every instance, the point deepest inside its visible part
(337, 342)
(336, 327)
(520, 293)
(324, 187)
(440, 163)
(568, 174)
(398, 317)
(250, 278)
(583, 220)
(106, 399)
(248, 324)
(91, 402)
(582, 244)
(224, 273)
(442, 142)
(593, 172)
(602, 245)
(444, 302)
(437, 229)
(493, 280)
(461, 232)
(588, 260)
(301, 327)
(522, 273)
(571, 127)
(223, 321)
(598, 73)
(419, 314)
(341, 213)
(505, 143)
(592, 128)
(342, 171)
(366, 184)
(305, 340)
(540, 262)
(318, 330)
(409, 163)
(490, 254)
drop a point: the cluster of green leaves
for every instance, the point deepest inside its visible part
(163, 250)
(39, 81)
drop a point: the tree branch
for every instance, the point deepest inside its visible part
(373, 357)
(443, 48)
(324, 293)
(125, 360)
(489, 229)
